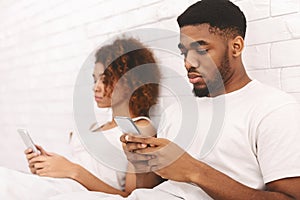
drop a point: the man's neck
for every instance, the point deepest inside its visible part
(235, 82)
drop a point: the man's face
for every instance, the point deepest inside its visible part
(206, 59)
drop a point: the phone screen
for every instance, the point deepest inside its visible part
(126, 125)
(27, 139)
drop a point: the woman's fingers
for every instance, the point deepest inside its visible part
(30, 154)
(28, 151)
(41, 172)
(41, 149)
(38, 159)
(38, 166)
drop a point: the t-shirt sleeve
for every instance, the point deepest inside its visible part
(278, 143)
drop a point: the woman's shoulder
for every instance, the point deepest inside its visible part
(145, 126)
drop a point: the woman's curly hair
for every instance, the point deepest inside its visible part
(119, 58)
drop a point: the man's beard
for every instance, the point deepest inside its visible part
(217, 84)
(203, 92)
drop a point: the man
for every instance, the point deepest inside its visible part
(257, 153)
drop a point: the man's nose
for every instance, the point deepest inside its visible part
(191, 61)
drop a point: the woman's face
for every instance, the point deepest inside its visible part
(102, 97)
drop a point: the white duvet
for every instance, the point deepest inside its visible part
(16, 185)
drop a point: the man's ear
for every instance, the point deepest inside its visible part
(237, 46)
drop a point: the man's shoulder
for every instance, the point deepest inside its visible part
(264, 93)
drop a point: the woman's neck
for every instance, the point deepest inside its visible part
(122, 109)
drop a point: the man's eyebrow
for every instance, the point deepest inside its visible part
(194, 44)
(198, 43)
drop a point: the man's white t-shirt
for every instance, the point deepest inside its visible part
(251, 135)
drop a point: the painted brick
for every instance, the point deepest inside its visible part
(293, 25)
(91, 14)
(257, 57)
(297, 96)
(57, 40)
(116, 23)
(60, 66)
(279, 7)
(290, 79)
(255, 9)
(53, 81)
(27, 15)
(284, 54)
(6, 41)
(267, 30)
(267, 76)
(169, 24)
(165, 11)
(8, 54)
(52, 94)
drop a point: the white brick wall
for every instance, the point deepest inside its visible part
(272, 40)
(44, 43)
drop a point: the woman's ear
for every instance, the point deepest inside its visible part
(237, 46)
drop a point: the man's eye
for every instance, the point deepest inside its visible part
(202, 51)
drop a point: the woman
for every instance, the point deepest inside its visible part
(137, 92)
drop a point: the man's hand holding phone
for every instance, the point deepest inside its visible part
(139, 162)
(161, 156)
(127, 126)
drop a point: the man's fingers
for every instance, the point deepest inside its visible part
(139, 167)
(148, 150)
(138, 139)
(132, 146)
(122, 138)
(134, 157)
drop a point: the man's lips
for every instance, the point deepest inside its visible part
(195, 78)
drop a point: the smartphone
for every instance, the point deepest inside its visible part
(27, 140)
(126, 125)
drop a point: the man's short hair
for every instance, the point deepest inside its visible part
(220, 14)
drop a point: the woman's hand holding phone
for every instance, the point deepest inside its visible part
(30, 154)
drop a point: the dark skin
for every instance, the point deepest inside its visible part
(170, 161)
